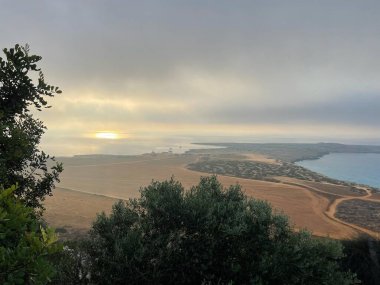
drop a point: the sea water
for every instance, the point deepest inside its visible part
(363, 168)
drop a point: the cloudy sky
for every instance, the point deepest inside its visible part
(202, 70)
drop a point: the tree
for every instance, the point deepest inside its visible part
(25, 244)
(21, 161)
(72, 264)
(206, 235)
(360, 260)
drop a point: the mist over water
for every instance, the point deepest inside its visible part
(135, 145)
(126, 147)
(355, 167)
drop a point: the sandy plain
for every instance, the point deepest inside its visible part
(91, 186)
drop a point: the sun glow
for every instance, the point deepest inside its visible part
(107, 135)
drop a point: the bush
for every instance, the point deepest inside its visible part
(24, 244)
(72, 264)
(358, 259)
(206, 235)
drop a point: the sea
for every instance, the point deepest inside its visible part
(362, 168)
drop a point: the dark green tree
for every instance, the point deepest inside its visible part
(25, 244)
(206, 235)
(360, 259)
(21, 160)
(73, 264)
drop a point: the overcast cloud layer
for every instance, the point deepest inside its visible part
(207, 70)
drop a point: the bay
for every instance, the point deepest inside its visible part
(363, 168)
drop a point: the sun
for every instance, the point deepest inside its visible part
(107, 135)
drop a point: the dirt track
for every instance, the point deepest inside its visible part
(332, 208)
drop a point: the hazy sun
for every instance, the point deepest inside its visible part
(107, 135)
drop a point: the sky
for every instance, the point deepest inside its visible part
(172, 72)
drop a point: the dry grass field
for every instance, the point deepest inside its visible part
(122, 177)
(260, 158)
(71, 213)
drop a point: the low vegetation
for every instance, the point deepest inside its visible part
(259, 170)
(363, 213)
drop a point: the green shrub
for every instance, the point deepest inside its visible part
(206, 235)
(358, 259)
(24, 244)
(73, 264)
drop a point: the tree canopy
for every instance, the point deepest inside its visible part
(206, 235)
(21, 160)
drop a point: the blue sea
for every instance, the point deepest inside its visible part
(361, 168)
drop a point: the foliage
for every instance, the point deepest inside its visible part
(359, 260)
(73, 264)
(21, 161)
(206, 235)
(24, 244)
